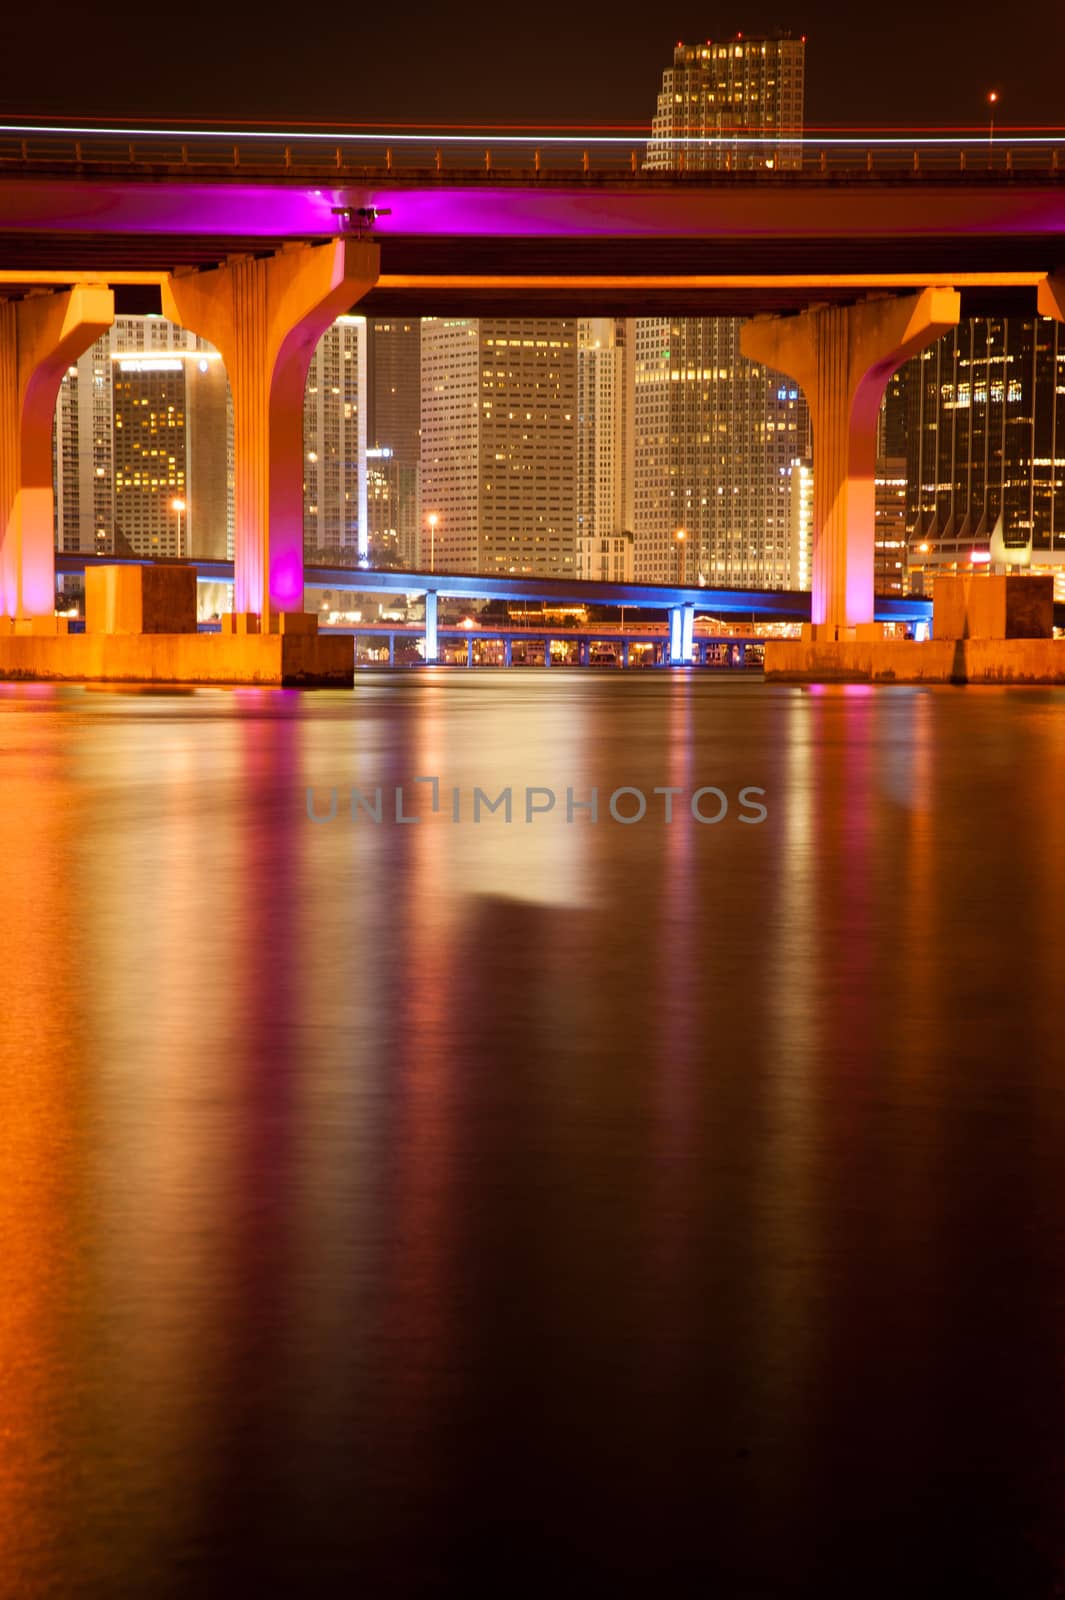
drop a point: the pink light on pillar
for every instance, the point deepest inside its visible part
(286, 577)
(39, 338)
(266, 317)
(842, 356)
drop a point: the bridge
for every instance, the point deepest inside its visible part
(848, 266)
(521, 235)
(678, 603)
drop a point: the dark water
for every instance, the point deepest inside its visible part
(394, 1208)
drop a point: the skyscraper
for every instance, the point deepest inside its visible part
(144, 445)
(801, 525)
(889, 552)
(986, 442)
(605, 358)
(499, 444)
(334, 446)
(715, 434)
(392, 510)
(393, 437)
(393, 392)
(746, 89)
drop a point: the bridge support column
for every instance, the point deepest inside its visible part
(584, 652)
(547, 652)
(39, 338)
(265, 318)
(431, 645)
(624, 652)
(391, 649)
(687, 635)
(508, 652)
(469, 652)
(842, 356)
(681, 635)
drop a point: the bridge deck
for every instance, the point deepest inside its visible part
(554, 241)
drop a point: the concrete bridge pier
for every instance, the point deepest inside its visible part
(39, 339)
(265, 317)
(432, 646)
(681, 635)
(842, 356)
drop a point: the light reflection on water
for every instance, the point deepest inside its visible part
(372, 1192)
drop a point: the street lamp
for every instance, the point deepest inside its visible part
(433, 518)
(680, 536)
(992, 101)
(178, 505)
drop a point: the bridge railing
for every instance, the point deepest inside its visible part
(378, 155)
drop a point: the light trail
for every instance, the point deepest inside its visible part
(338, 135)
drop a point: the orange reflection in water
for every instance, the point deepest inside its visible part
(39, 1147)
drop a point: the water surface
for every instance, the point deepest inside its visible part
(406, 1204)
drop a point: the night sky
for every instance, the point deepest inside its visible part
(555, 61)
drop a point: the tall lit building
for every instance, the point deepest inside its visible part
(393, 437)
(334, 446)
(801, 525)
(986, 442)
(715, 434)
(144, 445)
(392, 510)
(746, 89)
(393, 392)
(889, 552)
(605, 389)
(499, 443)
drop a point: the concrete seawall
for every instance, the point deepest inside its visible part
(971, 661)
(290, 658)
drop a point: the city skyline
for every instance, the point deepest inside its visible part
(694, 442)
(942, 488)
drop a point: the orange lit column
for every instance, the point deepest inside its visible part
(842, 356)
(39, 338)
(266, 317)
